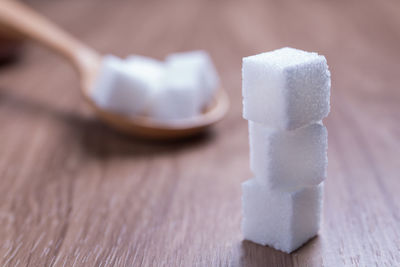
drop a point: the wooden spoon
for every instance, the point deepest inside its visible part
(87, 62)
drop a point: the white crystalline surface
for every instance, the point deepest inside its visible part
(179, 97)
(288, 160)
(286, 88)
(151, 69)
(120, 89)
(286, 94)
(200, 64)
(178, 88)
(282, 220)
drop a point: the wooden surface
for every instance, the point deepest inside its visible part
(75, 193)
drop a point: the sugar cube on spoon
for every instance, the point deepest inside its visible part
(175, 89)
(120, 89)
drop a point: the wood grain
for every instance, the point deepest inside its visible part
(75, 193)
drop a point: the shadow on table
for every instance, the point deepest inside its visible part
(257, 255)
(96, 138)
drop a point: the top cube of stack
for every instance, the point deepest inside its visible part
(286, 88)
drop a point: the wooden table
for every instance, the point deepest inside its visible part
(75, 193)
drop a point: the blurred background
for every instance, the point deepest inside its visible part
(73, 190)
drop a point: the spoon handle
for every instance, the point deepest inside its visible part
(32, 25)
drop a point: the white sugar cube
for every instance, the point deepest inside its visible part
(121, 87)
(286, 88)
(151, 69)
(177, 89)
(179, 96)
(288, 160)
(197, 63)
(284, 221)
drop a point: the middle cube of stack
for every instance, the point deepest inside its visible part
(288, 160)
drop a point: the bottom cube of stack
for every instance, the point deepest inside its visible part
(282, 220)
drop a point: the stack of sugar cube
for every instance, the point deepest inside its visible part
(286, 94)
(177, 88)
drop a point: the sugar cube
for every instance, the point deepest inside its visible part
(176, 89)
(286, 88)
(152, 69)
(282, 220)
(197, 63)
(179, 97)
(121, 88)
(288, 160)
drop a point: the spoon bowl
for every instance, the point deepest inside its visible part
(87, 62)
(147, 127)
